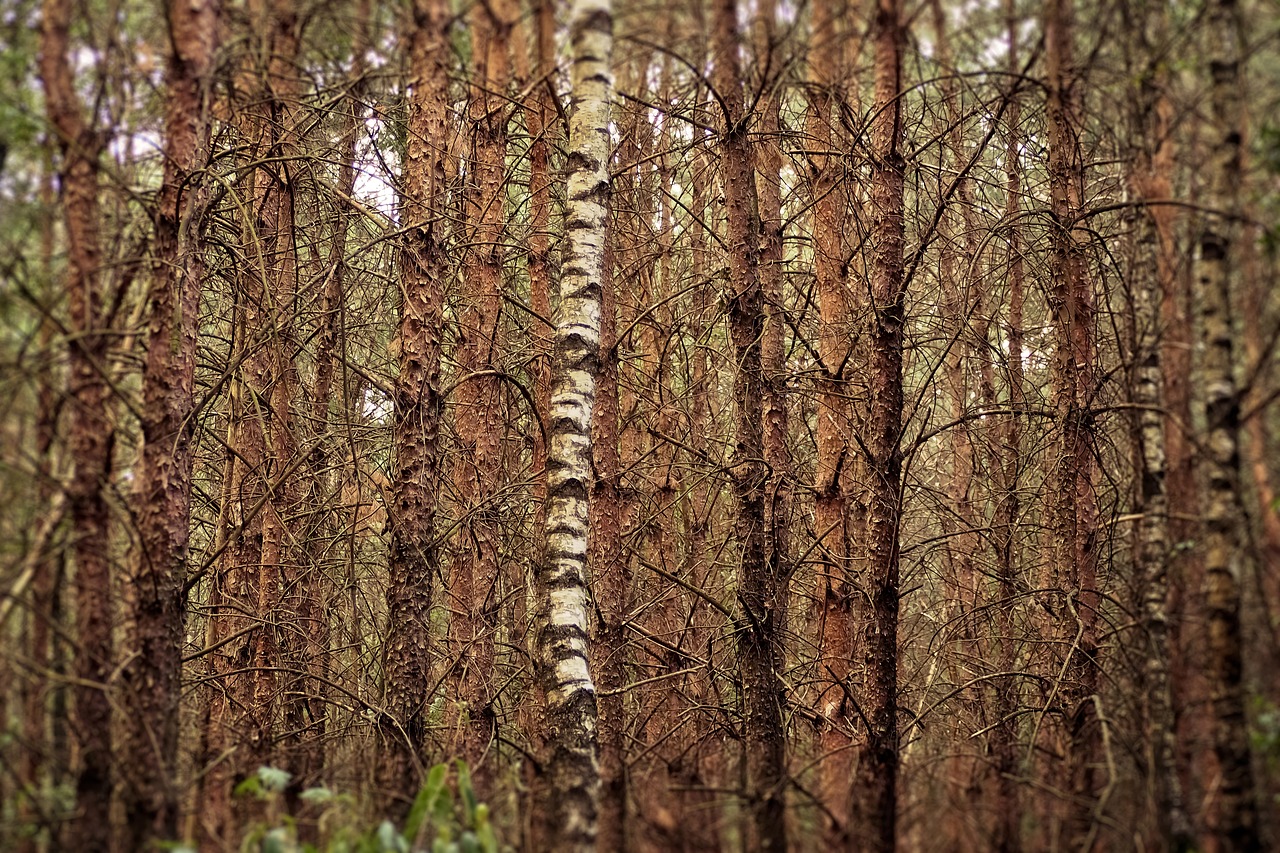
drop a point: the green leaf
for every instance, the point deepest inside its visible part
(467, 793)
(425, 803)
(251, 786)
(390, 841)
(273, 778)
(278, 840)
(317, 795)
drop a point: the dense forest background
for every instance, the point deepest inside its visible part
(917, 360)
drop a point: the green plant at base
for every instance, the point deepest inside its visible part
(439, 820)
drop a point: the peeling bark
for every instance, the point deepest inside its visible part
(572, 721)
(1231, 821)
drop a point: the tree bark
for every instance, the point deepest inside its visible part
(1231, 822)
(1075, 522)
(1152, 181)
(876, 775)
(163, 492)
(92, 434)
(835, 516)
(418, 402)
(759, 650)
(573, 762)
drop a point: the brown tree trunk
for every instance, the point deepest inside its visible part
(91, 434)
(1006, 835)
(836, 514)
(478, 471)
(418, 403)
(163, 486)
(876, 774)
(966, 328)
(1075, 522)
(309, 707)
(760, 591)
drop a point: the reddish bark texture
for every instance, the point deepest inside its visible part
(91, 435)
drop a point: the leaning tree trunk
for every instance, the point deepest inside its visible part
(163, 491)
(562, 587)
(1232, 819)
(91, 433)
(418, 402)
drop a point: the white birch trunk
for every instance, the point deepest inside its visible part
(562, 589)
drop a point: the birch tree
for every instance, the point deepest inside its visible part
(1232, 820)
(572, 734)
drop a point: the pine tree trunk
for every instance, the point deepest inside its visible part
(418, 403)
(876, 774)
(91, 433)
(835, 515)
(478, 469)
(1075, 522)
(163, 486)
(759, 651)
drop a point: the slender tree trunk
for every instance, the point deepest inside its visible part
(478, 470)
(610, 574)
(876, 775)
(966, 328)
(1232, 819)
(573, 762)
(1152, 181)
(759, 651)
(1006, 835)
(1076, 523)
(40, 759)
(543, 139)
(163, 490)
(310, 709)
(835, 511)
(419, 402)
(772, 345)
(91, 434)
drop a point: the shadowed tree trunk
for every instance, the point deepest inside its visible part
(91, 434)
(1006, 836)
(1231, 821)
(759, 651)
(876, 774)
